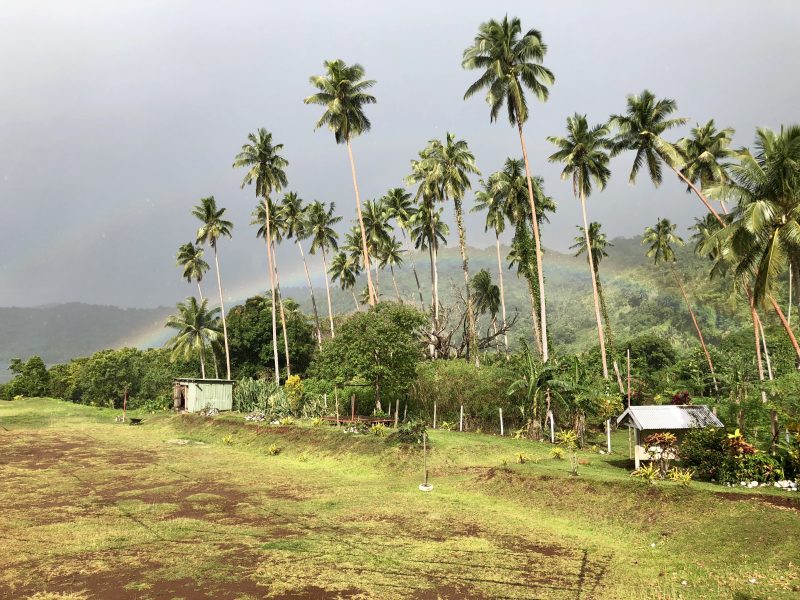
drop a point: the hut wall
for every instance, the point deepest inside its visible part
(209, 395)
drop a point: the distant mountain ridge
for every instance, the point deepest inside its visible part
(640, 298)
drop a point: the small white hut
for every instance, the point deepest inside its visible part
(194, 395)
(675, 419)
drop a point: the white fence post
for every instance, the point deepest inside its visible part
(461, 419)
(434, 414)
(608, 435)
(502, 432)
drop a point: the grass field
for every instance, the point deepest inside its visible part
(187, 507)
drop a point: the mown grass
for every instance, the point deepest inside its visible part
(188, 507)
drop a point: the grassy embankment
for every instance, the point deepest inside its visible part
(186, 507)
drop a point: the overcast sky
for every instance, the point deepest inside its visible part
(116, 117)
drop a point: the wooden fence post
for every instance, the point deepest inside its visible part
(353, 407)
(502, 432)
(396, 413)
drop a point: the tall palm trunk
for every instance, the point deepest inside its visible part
(283, 315)
(377, 282)
(372, 295)
(222, 311)
(434, 304)
(200, 291)
(696, 327)
(537, 243)
(202, 361)
(595, 295)
(502, 290)
(313, 299)
(699, 194)
(786, 326)
(328, 290)
(773, 414)
(472, 337)
(755, 319)
(358, 306)
(271, 270)
(394, 282)
(410, 251)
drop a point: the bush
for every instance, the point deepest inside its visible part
(758, 467)
(411, 432)
(703, 449)
(453, 383)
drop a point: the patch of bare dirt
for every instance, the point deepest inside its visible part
(780, 502)
(317, 593)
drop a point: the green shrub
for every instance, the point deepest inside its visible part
(453, 383)
(411, 432)
(379, 429)
(703, 449)
(273, 450)
(682, 476)
(557, 453)
(647, 473)
(760, 467)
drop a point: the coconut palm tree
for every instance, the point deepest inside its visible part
(198, 328)
(391, 254)
(294, 220)
(489, 200)
(487, 299)
(400, 207)
(269, 213)
(214, 227)
(660, 240)
(765, 232)
(583, 153)
(343, 93)
(323, 238)
(266, 169)
(447, 166)
(377, 227)
(705, 154)
(598, 242)
(428, 231)
(345, 269)
(511, 186)
(510, 62)
(190, 259)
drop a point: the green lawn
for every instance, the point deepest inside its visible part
(186, 507)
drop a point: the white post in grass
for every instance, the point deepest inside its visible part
(325, 399)
(461, 419)
(501, 422)
(434, 414)
(608, 435)
(552, 428)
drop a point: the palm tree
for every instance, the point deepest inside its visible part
(764, 236)
(214, 227)
(267, 213)
(488, 200)
(510, 63)
(266, 168)
(190, 258)
(428, 230)
(510, 185)
(704, 154)
(660, 240)
(294, 218)
(640, 130)
(343, 93)
(447, 166)
(377, 227)
(391, 254)
(198, 328)
(487, 299)
(345, 269)
(323, 237)
(583, 152)
(401, 208)
(598, 242)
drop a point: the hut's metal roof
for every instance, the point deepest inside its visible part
(199, 380)
(669, 417)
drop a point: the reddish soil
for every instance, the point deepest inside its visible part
(783, 502)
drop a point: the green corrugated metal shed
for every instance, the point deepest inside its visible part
(194, 395)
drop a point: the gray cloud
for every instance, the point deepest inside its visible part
(115, 118)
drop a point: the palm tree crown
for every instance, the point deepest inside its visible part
(198, 327)
(320, 226)
(598, 240)
(293, 216)
(342, 91)
(510, 62)
(214, 226)
(640, 129)
(265, 166)
(660, 240)
(583, 152)
(705, 153)
(190, 257)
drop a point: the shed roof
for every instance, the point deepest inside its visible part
(669, 417)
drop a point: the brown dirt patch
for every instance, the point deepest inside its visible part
(780, 502)
(317, 593)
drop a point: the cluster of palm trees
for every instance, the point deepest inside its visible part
(755, 240)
